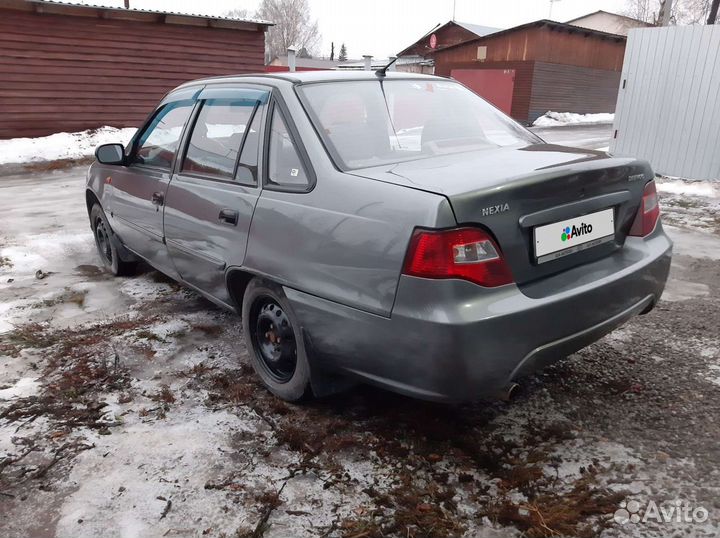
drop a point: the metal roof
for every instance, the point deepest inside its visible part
(477, 29)
(644, 23)
(542, 22)
(150, 11)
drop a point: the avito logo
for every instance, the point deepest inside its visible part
(570, 232)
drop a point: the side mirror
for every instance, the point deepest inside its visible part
(110, 154)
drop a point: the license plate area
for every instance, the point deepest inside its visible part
(565, 237)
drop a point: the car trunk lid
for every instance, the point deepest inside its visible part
(513, 191)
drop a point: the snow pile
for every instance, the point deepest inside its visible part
(558, 119)
(672, 185)
(61, 145)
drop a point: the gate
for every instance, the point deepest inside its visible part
(668, 108)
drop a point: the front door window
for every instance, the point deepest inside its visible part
(159, 142)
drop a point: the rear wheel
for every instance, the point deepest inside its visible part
(274, 339)
(106, 244)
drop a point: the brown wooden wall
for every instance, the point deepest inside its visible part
(69, 73)
(568, 88)
(543, 44)
(554, 70)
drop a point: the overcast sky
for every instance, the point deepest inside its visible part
(384, 27)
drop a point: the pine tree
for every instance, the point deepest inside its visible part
(343, 53)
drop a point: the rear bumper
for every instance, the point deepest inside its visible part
(451, 340)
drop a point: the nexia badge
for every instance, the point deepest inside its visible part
(500, 208)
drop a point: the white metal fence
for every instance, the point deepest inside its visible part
(668, 108)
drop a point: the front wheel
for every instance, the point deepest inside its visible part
(107, 244)
(274, 340)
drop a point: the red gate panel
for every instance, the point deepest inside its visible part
(495, 85)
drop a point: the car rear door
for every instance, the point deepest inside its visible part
(137, 190)
(211, 198)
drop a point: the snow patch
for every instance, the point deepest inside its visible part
(26, 386)
(672, 185)
(61, 145)
(41, 251)
(125, 483)
(558, 119)
(693, 243)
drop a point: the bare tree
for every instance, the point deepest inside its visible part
(237, 14)
(293, 27)
(683, 11)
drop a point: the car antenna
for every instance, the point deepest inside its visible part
(381, 72)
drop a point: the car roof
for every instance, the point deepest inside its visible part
(307, 77)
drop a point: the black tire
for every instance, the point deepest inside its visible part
(106, 244)
(274, 340)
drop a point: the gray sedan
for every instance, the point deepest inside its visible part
(384, 227)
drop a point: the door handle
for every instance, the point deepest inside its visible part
(157, 198)
(229, 216)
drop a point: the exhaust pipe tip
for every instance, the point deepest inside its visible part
(509, 392)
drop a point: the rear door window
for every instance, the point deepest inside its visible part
(285, 167)
(160, 139)
(248, 166)
(221, 128)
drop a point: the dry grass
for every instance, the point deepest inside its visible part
(412, 440)
(79, 365)
(576, 513)
(164, 395)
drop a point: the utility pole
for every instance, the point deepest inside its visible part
(713, 12)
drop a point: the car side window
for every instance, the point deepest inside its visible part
(285, 167)
(219, 131)
(248, 166)
(159, 142)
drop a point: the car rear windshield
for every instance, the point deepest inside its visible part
(370, 123)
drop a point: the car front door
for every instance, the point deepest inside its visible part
(138, 189)
(211, 199)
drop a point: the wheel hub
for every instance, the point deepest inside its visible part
(102, 237)
(275, 340)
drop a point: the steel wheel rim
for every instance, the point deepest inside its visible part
(102, 239)
(273, 339)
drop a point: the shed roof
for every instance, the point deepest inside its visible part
(76, 9)
(638, 21)
(540, 23)
(476, 29)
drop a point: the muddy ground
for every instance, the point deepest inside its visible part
(127, 408)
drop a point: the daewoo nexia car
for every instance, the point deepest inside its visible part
(392, 228)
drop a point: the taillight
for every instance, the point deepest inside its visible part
(648, 212)
(466, 253)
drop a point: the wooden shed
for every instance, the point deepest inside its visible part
(70, 67)
(539, 66)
